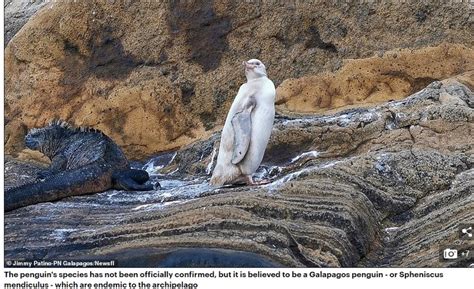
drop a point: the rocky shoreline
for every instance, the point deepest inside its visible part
(382, 186)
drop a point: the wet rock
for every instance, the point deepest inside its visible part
(382, 186)
(160, 75)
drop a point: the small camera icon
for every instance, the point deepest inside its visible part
(450, 254)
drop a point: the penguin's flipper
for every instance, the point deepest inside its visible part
(242, 126)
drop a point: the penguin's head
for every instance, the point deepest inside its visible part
(254, 68)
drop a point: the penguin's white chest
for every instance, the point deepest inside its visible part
(262, 123)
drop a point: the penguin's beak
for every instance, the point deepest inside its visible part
(247, 65)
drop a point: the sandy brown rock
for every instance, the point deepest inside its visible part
(373, 80)
(381, 186)
(13, 138)
(158, 75)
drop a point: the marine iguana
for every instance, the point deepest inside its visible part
(83, 161)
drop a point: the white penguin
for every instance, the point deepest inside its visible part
(247, 128)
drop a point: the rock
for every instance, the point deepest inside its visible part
(379, 186)
(156, 76)
(14, 140)
(373, 80)
(17, 13)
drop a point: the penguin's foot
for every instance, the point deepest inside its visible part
(250, 182)
(262, 182)
(247, 180)
(243, 180)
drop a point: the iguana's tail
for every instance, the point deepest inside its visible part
(92, 178)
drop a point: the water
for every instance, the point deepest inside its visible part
(156, 164)
(211, 163)
(311, 154)
(299, 173)
(177, 187)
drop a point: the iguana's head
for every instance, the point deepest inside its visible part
(49, 138)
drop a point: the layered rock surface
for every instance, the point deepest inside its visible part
(386, 185)
(157, 75)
